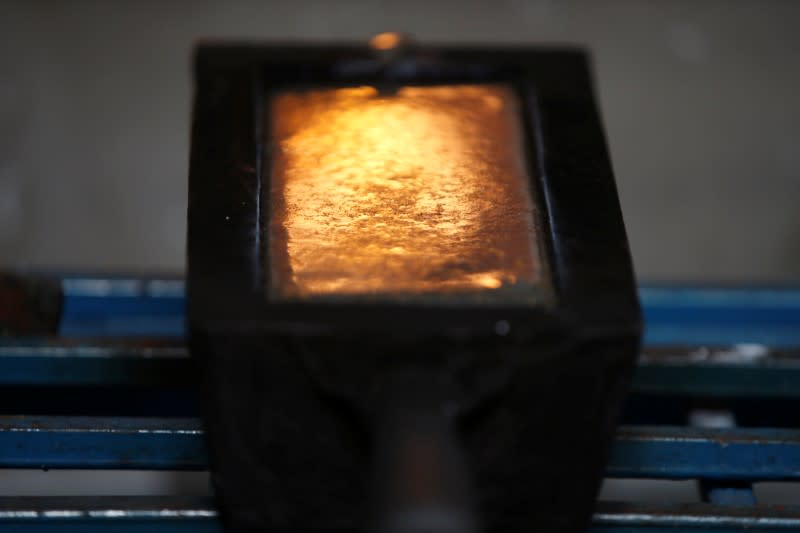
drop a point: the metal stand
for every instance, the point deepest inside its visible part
(119, 360)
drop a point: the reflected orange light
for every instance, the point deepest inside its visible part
(421, 192)
(385, 41)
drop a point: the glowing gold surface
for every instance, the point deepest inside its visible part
(415, 193)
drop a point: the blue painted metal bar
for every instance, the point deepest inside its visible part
(95, 442)
(176, 444)
(718, 381)
(46, 362)
(735, 372)
(674, 315)
(55, 362)
(756, 331)
(731, 496)
(721, 315)
(618, 517)
(169, 514)
(138, 514)
(695, 453)
(727, 492)
(745, 371)
(123, 307)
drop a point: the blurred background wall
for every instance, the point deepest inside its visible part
(701, 104)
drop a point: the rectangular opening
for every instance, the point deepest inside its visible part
(418, 194)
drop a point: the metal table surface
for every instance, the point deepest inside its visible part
(731, 349)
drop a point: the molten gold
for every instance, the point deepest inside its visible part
(416, 193)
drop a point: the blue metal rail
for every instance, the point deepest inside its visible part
(718, 346)
(178, 514)
(198, 515)
(748, 370)
(677, 316)
(661, 452)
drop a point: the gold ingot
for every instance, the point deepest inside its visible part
(422, 194)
